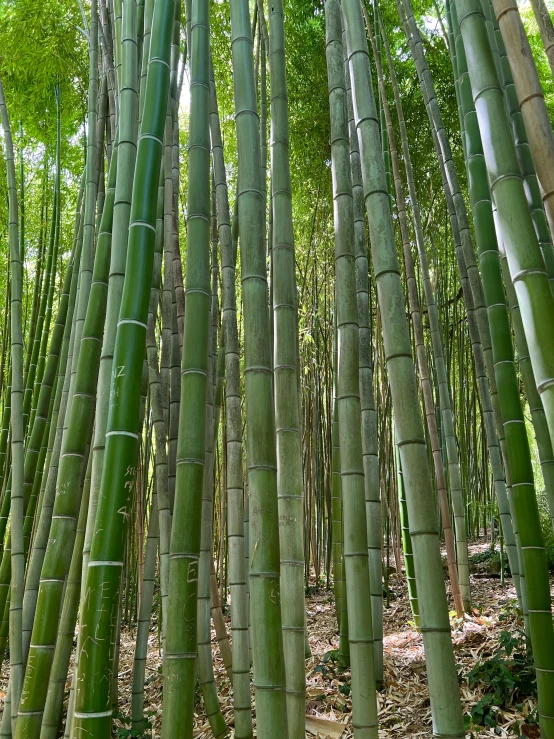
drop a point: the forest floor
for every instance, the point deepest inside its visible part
(488, 646)
(482, 640)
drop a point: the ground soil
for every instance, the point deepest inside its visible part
(404, 709)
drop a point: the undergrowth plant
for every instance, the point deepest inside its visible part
(508, 678)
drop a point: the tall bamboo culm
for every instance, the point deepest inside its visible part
(441, 669)
(360, 627)
(421, 354)
(286, 374)
(103, 576)
(367, 400)
(181, 639)
(265, 600)
(533, 290)
(17, 556)
(235, 482)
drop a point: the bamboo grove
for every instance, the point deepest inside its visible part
(277, 310)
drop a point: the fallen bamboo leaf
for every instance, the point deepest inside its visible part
(321, 727)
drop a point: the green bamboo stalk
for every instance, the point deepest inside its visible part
(360, 631)
(338, 558)
(531, 285)
(517, 444)
(441, 670)
(407, 543)
(39, 268)
(17, 557)
(544, 445)
(144, 618)
(204, 635)
(181, 637)
(174, 403)
(369, 415)
(158, 402)
(53, 707)
(287, 411)
(160, 493)
(523, 150)
(421, 355)
(531, 100)
(48, 481)
(488, 396)
(92, 692)
(57, 559)
(34, 463)
(35, 451)
(56, 224)
(267, 645)
(126, 144)
(177, 265)
(34, 350)
(235, 484)
(444, 393)
(4, 453)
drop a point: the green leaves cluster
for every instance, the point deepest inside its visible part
(41, 43)
(508, 677)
